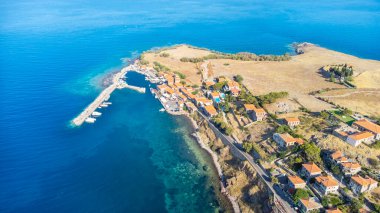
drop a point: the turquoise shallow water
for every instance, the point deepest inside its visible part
(53, 55)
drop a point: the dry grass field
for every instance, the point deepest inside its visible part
(365, 101)
(299, 76)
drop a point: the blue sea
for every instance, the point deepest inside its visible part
(54, 55)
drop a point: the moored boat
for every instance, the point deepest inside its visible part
(90, 120)
(96, 114)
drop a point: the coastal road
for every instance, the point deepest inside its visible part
(282, 204)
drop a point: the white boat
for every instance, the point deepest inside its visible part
(107, 103)
(103, 105)
(162, 110)
(96, 114)
(90, 120)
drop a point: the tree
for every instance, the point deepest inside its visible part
(356, 205)
(325, 115)
(332, 78)
(312, 152)
(274, 180)
(239, 78)
(335, 170)
(247, 146)
(283, 129)
(300, 194)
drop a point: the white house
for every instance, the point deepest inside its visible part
(310, 170)
(308, 205)
(359, 184)
(296, 182)
(350, 168)
(365, 125)
(285, 140)
(326, 184)
(360, 137)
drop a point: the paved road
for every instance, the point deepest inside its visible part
(284, 205)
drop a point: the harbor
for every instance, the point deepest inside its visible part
(89, 114)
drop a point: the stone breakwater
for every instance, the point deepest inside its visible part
(117, 82)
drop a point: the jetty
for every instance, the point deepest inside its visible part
(117, 83)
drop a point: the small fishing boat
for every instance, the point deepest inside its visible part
(107, 103)
(96, 114)
(162, 110)
(90, 120)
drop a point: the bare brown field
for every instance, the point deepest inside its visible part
(365, 101)
(299, 76)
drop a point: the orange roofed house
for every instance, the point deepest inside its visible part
(308, 205)
(359, 184)
(191, 107)
(296, 182)
(360, 137)
(365, 125)
(292, 122)
(326, 184)
(202, 101)
(337, 157)
(334, 210)
(285, 140)
(210, 111)
(350, 168)
(233, 87)
(257, 114)
(310, 170)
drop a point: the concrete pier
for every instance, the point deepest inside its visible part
(106, 93)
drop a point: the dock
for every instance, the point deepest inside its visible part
(117, 82)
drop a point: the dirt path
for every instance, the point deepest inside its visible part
(347, 94)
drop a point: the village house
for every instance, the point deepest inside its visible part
(216, 97)
(202, 101)
(337, 157)
(365, 125)
(256, 114)
(286, 140)
(350, 168)
(165, 90)
(360, 137)
(344, 131)
(188, 94)
(210, 111)
(359, 184)
(292, 122)
(169, 79)
(334, 210)
(308, 205)
(191, 107)
(326, 184)
(208, 84)
(296, 182)
(233, 87)
(310, 170)
(222, 79)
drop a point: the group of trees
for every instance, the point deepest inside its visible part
(181, 75)
(160, 68)
(271, 97)
(343, 71)
(243, 56)
(239, 78)
(143, 61)
(222, 126)
(311, 152)
(164, 54)
(248, 98)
